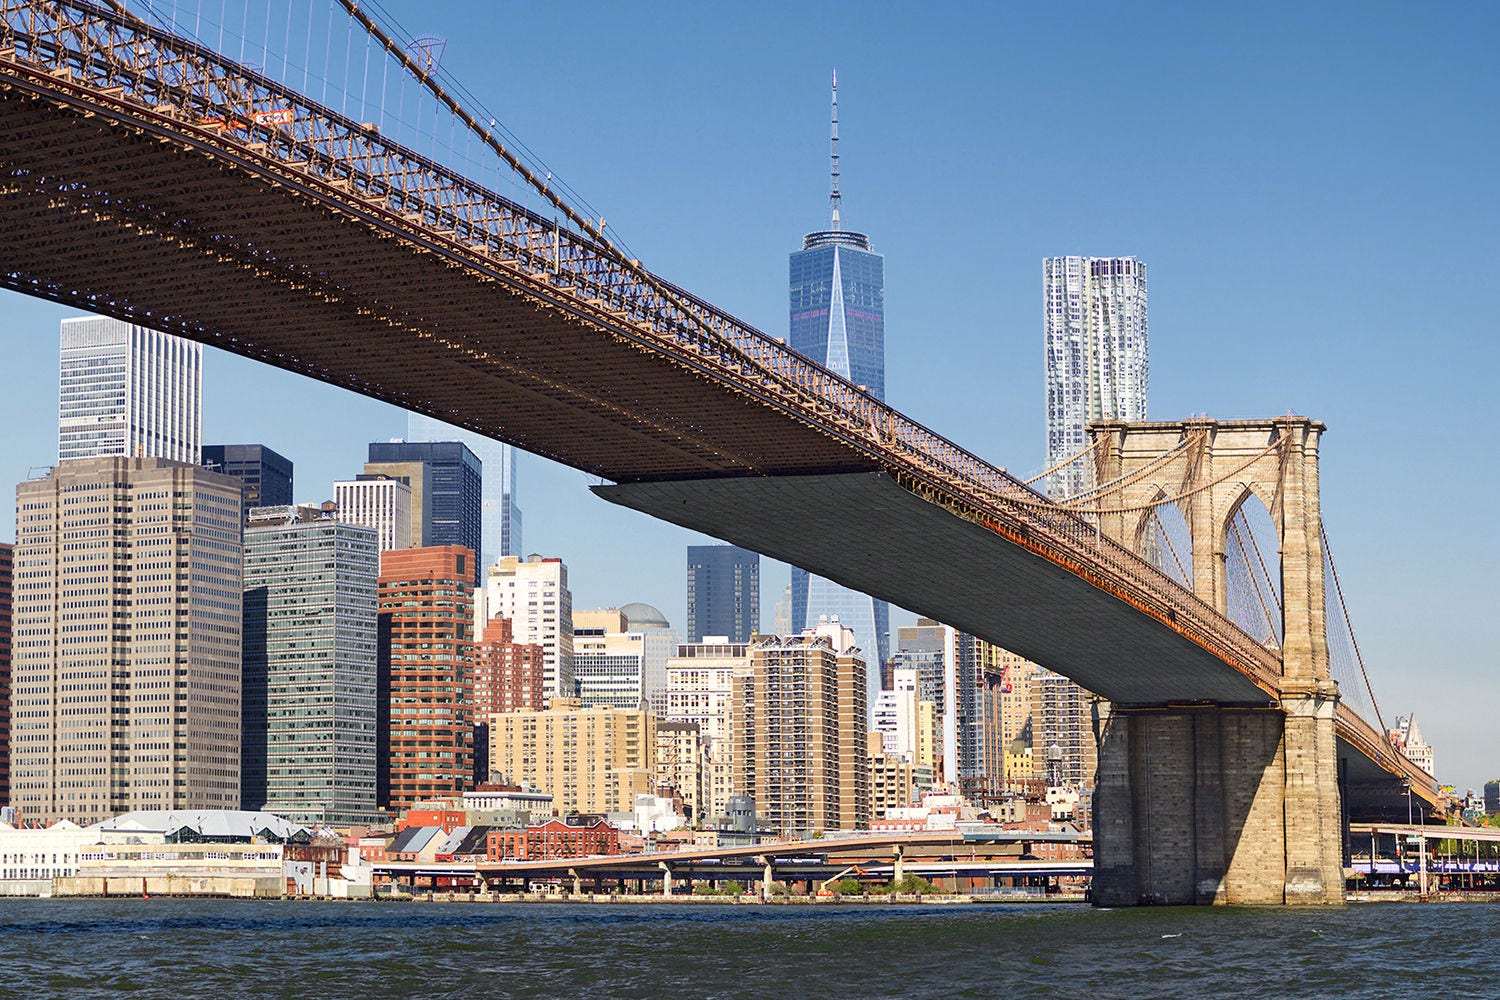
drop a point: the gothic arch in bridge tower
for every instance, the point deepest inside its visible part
(1251, 544)
(1209, 470)
(1210, 803)
(1163, 536)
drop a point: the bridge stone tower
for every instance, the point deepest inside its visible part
(1209, 803)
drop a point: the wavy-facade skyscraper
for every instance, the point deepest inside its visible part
(1098, 362)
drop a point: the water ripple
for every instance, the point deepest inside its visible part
(165, 947)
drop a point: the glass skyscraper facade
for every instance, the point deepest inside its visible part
(837, 286)
(723, 592)
(266, 477)
(447, 495)
(502, 512)
(309, 677)
(837, 303)
(1098, 365)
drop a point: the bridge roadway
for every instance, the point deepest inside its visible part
(146, 177)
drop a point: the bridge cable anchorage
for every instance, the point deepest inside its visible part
(1353, 639)
(1280, 442)
(585, 225)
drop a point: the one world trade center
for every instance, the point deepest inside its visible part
(837, 300)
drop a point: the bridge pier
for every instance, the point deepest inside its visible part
(1218, 805)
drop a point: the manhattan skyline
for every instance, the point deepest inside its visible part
(1310, 190)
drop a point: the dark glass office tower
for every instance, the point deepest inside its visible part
(265, 477)
(723, 592)
(308, 676)
(447, 500)
(502, 508)
(837, 286)
(838, 306)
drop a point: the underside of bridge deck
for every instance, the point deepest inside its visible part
(868, 532)
(127, 213)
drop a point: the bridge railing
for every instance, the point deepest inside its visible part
(1354, 728)
(221, 103)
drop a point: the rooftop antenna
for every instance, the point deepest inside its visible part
(834, 152)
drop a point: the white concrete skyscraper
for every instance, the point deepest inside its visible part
(378, 502)
(128, 391)
(1098, 364)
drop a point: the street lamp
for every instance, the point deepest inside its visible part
(1406, 784)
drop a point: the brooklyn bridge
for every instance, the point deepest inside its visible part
(148, 176)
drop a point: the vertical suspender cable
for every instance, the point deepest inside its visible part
(1353, 639)
(684, 311)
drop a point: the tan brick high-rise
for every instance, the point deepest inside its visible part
(127, 640)
(6, 553)
(592, 760)
(801, 732)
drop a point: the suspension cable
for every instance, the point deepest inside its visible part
(1353, 639)
(1162, 528)
(425, 79)
(1137, 508)
(587, 227)
(1120, 482)
(1064, 463)
(1254, 583)
(1264, 571)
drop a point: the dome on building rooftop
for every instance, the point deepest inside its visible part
(644, 616)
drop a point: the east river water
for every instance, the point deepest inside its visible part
(226, 950)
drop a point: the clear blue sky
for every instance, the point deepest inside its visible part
(1312, 187)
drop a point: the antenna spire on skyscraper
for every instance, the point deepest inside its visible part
(834, 151)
